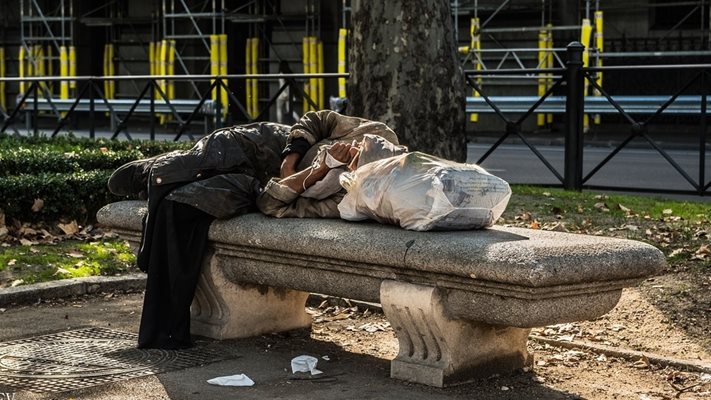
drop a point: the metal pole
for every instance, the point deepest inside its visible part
(702, 135)
(92, 119)
(218, 115)
(153, 109)
(35, 113)
(573, 174)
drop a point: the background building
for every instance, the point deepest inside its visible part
(218, 37)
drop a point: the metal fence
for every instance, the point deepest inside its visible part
(566, 96)
(151, 99)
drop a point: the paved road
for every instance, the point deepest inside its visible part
(630, 168)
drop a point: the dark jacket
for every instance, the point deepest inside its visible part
(222, 173)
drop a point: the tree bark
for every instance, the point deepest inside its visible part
(404, 71)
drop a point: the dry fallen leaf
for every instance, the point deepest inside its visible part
(535, 225)
(667, 211)
(602, 207)
(523, 217)
(26, 242)
(623, 208)
(75, 254)
(11, 262)
(69, 228)
(675, 253)
(37, 205)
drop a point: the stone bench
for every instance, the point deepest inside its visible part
(461, 303)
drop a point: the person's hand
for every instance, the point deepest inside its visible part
(341, 152)
(338, 154)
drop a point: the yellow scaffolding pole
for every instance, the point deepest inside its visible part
(112, 69)
(475, 48)
(225, 98)
(29, 61)
(585, 34)
(21, 64)
(214, 61)
(3, 101)
(255, 83)
(550, 63)
(342, 41)
(63, 72)
(156, 65)
(72, 66)
(248, 71)
(321, 96)
(599, 43)
(542, 79)
(49, 53)
(307, 65)
(164, 50)
(170, 69)
(105, 68)
(163, 69)
(38, 64)
(313, 67)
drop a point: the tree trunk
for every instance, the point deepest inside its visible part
(404, 71)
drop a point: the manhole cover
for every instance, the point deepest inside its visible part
(87, 357)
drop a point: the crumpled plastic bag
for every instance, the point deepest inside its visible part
(305, 364)
(231, 380)
(421, 192)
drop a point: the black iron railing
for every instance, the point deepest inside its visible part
(573, 106)
(151, 99)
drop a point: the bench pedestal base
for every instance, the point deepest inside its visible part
(225, 310)
(438, 351)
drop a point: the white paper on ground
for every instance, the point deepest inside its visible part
(231, 380)
(304, 364)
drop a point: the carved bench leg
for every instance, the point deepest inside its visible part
(438, 351)
(223, 310)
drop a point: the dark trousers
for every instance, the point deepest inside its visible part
(172, 253)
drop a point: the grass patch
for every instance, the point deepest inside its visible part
(650, 206)
(67, 259)
(681, 229)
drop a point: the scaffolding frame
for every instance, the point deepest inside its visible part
(191, 24)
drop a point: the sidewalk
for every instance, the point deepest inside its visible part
(355, 362)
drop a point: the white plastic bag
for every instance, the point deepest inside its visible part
(422, 192)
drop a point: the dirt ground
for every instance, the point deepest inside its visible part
(635, 324)
(360, 343)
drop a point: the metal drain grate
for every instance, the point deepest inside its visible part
(88, 357)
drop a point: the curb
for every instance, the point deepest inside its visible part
(29, 294)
